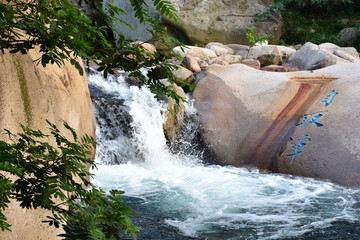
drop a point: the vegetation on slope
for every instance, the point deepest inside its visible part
(315, 21)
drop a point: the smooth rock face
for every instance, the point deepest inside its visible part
(237, 47)
(232, 58)
(277, 68)
(257, 51)
(191, 63)
(243, 53)
(184, 74)
(248, 117)
(203, 53)
(312, 56)
(219, 48)
(199, 53)
(286, 50)
(225, 21)
(219, 61)
(30, 94)
(251, 63)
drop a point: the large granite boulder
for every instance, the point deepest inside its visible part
(266, 120)
(312, 56)
(204, 21)
(29, 95)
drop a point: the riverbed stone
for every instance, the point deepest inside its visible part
(204, 53)
(191, 63)
(270, 59)
(257, 51)
(203, 65)
(286, 52)
(277, 68)
(183, 74)
(254, 118)
(252, 63)
(218, 60)
(198, 53)
(312, 56)
(232, 58)
(219, 48)
(243, 53)
(237, 47)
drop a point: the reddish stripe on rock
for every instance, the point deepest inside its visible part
(272, 143)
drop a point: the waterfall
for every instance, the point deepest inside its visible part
(179, 195)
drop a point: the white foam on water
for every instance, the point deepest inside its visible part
(226, 197)
(198, 198)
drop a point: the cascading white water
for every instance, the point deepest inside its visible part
(207, 201)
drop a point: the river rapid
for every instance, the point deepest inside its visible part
(179, 194)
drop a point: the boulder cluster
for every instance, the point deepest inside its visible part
(271, 58)
(252, 104)
(198, 59)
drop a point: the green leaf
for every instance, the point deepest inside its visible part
(77, 66)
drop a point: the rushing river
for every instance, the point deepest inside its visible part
(178, 194)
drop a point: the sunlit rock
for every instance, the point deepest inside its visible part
(191, 63)
(266, 119)
(30, 95)
(232, 58)
(218, 60)
(257, 51)
(252, 63)
(202, 53)
(183, 74)
(312, 56)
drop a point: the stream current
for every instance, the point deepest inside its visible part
(179, 194)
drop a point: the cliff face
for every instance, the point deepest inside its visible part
(30, 94)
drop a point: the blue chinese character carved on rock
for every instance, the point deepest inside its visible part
(307, 117)
(330, 95)
(298, 146)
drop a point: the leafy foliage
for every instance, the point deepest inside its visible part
(253, 37)
(314, 21)
(63, 32)
(315, 5)
(39, 175)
